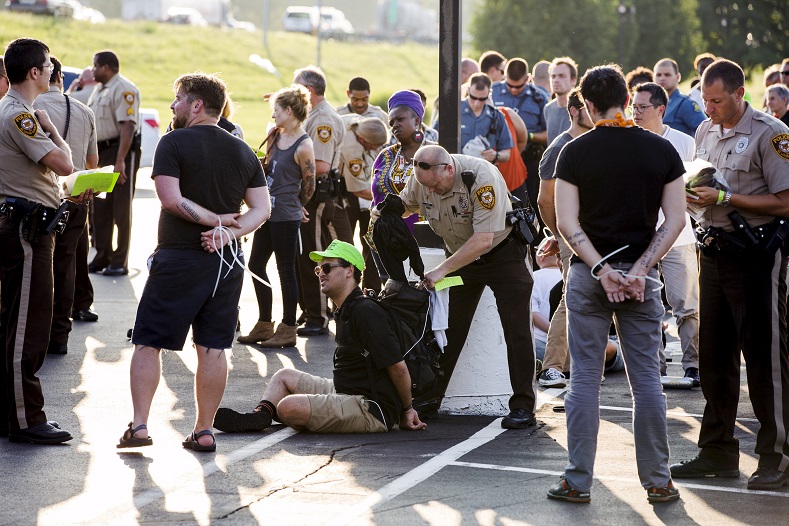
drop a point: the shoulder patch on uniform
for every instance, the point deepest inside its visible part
(355, 167)
(696, 107)
(27, 124)
(128, 96)
(486, 197)
(324, 133)
(781, 145)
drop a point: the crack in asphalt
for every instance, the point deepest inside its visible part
(295, 483)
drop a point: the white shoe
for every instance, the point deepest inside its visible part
(552, 378)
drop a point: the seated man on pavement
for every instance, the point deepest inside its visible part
(353, 401)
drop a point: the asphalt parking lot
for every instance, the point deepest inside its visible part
(461, 470)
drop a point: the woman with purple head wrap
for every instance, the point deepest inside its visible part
(394, 165)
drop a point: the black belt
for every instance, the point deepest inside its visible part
(109, 142)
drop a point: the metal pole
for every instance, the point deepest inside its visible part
(320, 20)
(266, 15)
(449, 43)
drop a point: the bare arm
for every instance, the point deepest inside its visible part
(258, 211)
(305, 157)
(322, 167)
(673, 205)
(92, 161)
(479, 243)
(540, 321)
(398, 373)
(769, 204)
(59, 159)
(540, 137)
(521, 133)
(169, 191)
(614, 284)
(127, 134)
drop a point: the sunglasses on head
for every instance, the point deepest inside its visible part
(427, 166)
(326, 268)
(481, 99)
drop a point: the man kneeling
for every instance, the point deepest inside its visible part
(362, 397)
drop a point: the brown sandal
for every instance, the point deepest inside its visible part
(129, 440)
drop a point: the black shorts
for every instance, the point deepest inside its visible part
(177, 295)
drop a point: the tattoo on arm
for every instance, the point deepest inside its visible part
(579, 238)
(187, 209)
(307, 182)
(651, 250)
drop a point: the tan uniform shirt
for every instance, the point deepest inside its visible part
(371, 111)
(22, 145)
(113, 103)
(81, 136)
(326, 129)
(753, 158)
(355, 163)
(456, 215)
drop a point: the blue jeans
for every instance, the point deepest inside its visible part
(638, 325)
(282, 240)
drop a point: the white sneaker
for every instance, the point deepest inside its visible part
(552, 378)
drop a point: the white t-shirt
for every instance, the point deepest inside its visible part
(685, 146)
(544, 280)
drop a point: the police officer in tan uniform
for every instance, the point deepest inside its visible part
(742, 281)
(359, 101)
(116, 105)
(326, 218)
(471, 219)
(30, 146)
(77, 126)
(364, 137)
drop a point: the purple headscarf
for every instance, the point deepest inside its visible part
(409, 99)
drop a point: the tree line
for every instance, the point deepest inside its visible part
(753, 33)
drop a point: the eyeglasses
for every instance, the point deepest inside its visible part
(427, 166)
(50, 67)
(785, 73)
(641, 108)
(481, 99)
(513, 86)
(326, 268)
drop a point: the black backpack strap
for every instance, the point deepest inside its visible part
(68, 116)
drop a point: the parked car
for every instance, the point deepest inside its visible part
(332, 21)
(70, 74)
(300, 19)
(45, 7)
(185, 16)
(150, 134)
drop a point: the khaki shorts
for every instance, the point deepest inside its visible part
(332, 412)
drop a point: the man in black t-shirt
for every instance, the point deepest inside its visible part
(351, 402)
(202, 175)
(611, 182)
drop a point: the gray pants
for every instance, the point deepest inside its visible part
(589, 316)
(680, 270)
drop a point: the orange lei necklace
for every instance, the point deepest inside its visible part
(617, 121)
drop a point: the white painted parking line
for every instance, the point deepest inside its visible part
(680, 483)
(420, 473)
(669, 413)
(115, 510)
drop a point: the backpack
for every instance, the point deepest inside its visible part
(407, 308)
(513, 170)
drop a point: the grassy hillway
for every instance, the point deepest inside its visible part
(152, 55)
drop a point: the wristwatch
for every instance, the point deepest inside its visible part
(726, 198)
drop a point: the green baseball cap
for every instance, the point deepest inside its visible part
(342, 250)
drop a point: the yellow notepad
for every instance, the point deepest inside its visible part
(100, 179)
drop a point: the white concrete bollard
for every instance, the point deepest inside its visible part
(480, 383)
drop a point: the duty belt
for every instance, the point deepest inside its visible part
(36, 219)
(108, 143)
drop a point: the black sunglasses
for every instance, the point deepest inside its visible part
(427, 166)
(472, 97)
(513, 86)
(785, 72)
(326, 268)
